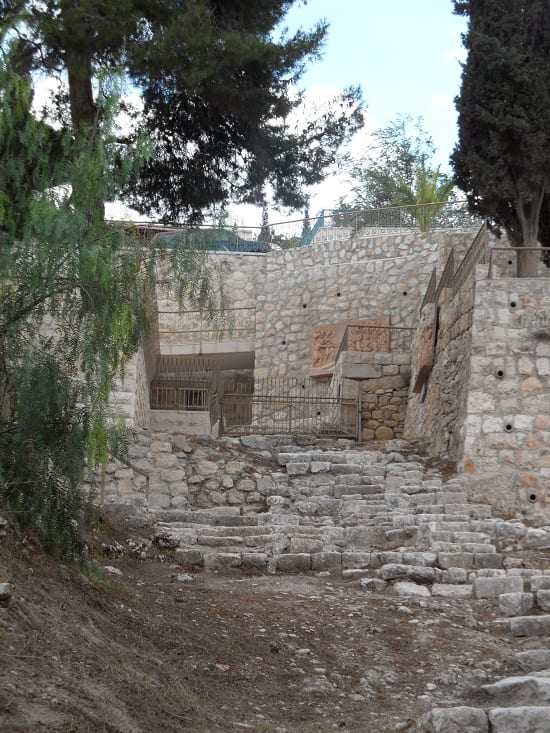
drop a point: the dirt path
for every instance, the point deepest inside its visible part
(153, 651)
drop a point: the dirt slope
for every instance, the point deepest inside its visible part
(150, 650)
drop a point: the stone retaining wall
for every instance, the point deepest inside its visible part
(336, 281)
(381, 380)
(507, 425)
(436, 414)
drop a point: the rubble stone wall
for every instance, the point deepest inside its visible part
(381, 381)
(437, 413)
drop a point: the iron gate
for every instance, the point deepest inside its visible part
(289, 406)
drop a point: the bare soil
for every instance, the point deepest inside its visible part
(148, 650)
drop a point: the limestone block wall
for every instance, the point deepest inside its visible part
(240, 274)
(381, 381)
(334, 281)
(507, 425)
(437, 414)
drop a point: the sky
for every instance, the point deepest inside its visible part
(405, 55)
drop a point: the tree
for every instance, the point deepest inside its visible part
(216, 80)
(73, 295)
(502, 159)
(398, 170)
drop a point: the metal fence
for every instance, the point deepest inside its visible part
(455, 279)
(184, 384)
(289, 406)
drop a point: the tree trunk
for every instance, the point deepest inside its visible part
(528, 214)
(527, 262)
(83, 116)
(81, 98)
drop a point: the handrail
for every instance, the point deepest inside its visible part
(455, 279)
(477, 254)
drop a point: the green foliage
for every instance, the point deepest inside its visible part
(502, 160)
(398, 171)
(217, 80)
(73, 308)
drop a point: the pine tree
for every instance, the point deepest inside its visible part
(216, 79)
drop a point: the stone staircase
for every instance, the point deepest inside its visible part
(382, 515)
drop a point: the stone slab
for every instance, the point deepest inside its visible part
(530, 626)
(523, 690)
(294, 563)
(460, 719)
(515, 604)
(489, 587)
(526, 719)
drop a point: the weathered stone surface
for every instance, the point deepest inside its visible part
(256, 442)
(515, 604)
(189, 558)
(487, 560)
(455, 720)
(524, 719)
(448, 590)
(539, 582)
(534, 659)
(5, 591)
(206, 468)
(294, 563)
(326, 561)
(543, 600)
(525, 690)
(416, 573)
(530, 626)
(447, 560)
(254, 560)
(488, 587)
(537, 539)
(407, 588)
(224, 560)
(301, 545)
(297, 469)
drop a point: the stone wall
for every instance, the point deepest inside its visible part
(381, 381)
(241, 275)
(168, 471)
(437, 412)
(507, 426)
(335, 281)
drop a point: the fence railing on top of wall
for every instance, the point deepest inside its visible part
(477, 254)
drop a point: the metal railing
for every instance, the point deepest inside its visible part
(298, 406)
(330, 225)
(455, 279)
(242, 325)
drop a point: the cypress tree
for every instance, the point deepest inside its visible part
(502, 159)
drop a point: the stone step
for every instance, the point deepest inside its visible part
(363, 489)
(530, 625)
(221, 516)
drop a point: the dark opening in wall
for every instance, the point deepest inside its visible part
(533, 497)
(499, 374)
(512, 304)
(508, 427)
